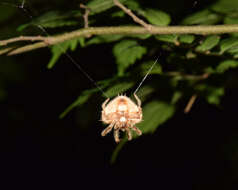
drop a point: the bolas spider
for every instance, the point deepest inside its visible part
(122, 114)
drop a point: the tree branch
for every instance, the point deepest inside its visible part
(86, 14)
(124, 30)
(132, 15)
(22, 38)
(6, 50)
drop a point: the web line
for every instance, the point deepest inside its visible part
(21, 7)
(78, 66)
(148, 72)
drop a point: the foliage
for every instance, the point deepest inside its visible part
(126, 53)
(208, 43)
(157, 17)
(177, 75)
(58, 50)
(53, 19)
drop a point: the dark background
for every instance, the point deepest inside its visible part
(193, 151)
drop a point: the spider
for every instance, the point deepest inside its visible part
(122, 114)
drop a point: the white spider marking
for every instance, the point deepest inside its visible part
(121, 113)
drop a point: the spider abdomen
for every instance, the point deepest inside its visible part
(122, 114)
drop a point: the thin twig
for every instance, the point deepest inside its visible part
(22, 38)
(132, 15)
(190, 103)
(124, 30)
(86, 14)
(85, 17)
(194, 97)
(6, 50)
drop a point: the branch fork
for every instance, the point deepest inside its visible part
(133, 16)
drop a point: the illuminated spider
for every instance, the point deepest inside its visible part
(122, 114)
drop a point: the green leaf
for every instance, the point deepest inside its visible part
(226, 65)
(233, 50)
(172, 38)
(231, 20)
(139, 36)
(98, 6)
(157, 17)
(155, 113)
(119, 14)
(176, 96)
(227, 44)
(81, 41)
(59, 49)
(107, 82)
(126, 53)
(79, 101)
(52, 19)
(104, 39)
(144, 68)
(214, 95)
(144, 92)
(186, 38)
(204, 17)
(209, 43)
(209, 70)
(114, 37)
(73, 44)
(225, 6)
(132, 5)
(86, 95)
(58, 23)
(119, 88)
(56, 51)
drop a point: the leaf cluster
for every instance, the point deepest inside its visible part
(183, 59)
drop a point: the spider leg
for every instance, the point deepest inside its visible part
(138, 131)
(108, 129)
(138, 100)
(104, 103)
(116, 135)
(129, 136)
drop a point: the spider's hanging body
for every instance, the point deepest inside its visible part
(121, 113)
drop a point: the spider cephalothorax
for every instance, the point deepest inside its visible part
(122, 114)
